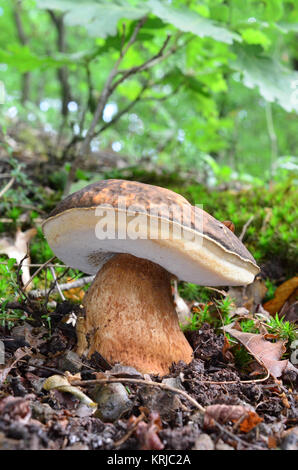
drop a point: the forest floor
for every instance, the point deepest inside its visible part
(226, 398)
(255, 415)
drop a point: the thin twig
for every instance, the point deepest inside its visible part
(7, 186)
(231, 382)
(52, 287)
(107, 89)
(146, 65)
(57, 284)
(38, 270)
(36, 293)
(122, 112)
(106, 92)
(30, 265)
(221, 292)
(16, 306)
(142, 382)
(245, 226)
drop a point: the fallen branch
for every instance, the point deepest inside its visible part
(36, 293)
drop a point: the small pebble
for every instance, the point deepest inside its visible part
(112, 400)
(203, 442)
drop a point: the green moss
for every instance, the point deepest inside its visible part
(273, 230)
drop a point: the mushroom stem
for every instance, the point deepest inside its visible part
(131, 318)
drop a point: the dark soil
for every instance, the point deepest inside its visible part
(32, 418)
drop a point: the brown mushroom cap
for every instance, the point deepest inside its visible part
(208, 255)
(130, 314)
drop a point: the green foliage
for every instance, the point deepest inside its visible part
(271, 288)
(7, 277)
(224, 305)
(198, 317)
(99, 17)
(189, 21)
(284, 329)
(39, 249)
(22, 193)
(242, 357)
(193, 292)
(8, 289)
(216, 312)
(201, 109)
(275, 82)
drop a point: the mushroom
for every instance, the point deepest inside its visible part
(136, 238)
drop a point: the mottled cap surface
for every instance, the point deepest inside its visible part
(214, 246)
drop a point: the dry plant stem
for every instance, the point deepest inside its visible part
(34, 265)
(221, 292)
(7, 186)
(131, 317)
(57, 284)
(253, 381)
(245, 227)
(38, 271)
(52, 287)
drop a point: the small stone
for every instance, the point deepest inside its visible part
(112, 400)
(71, 362)
(290, 441)
(221, 445)
(118, 370)
(203, 442)
(163, 401)
(77, 446)
(42, 412)
(174, 382)
(7, 443)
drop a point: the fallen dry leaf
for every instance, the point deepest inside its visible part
(265, 352)
(76, 294)
(147, 433)
(272, 442)
(224, 413)
(60, 383)
(250, 421)
(281, 295)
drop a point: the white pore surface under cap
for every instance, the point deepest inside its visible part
(71, 235)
